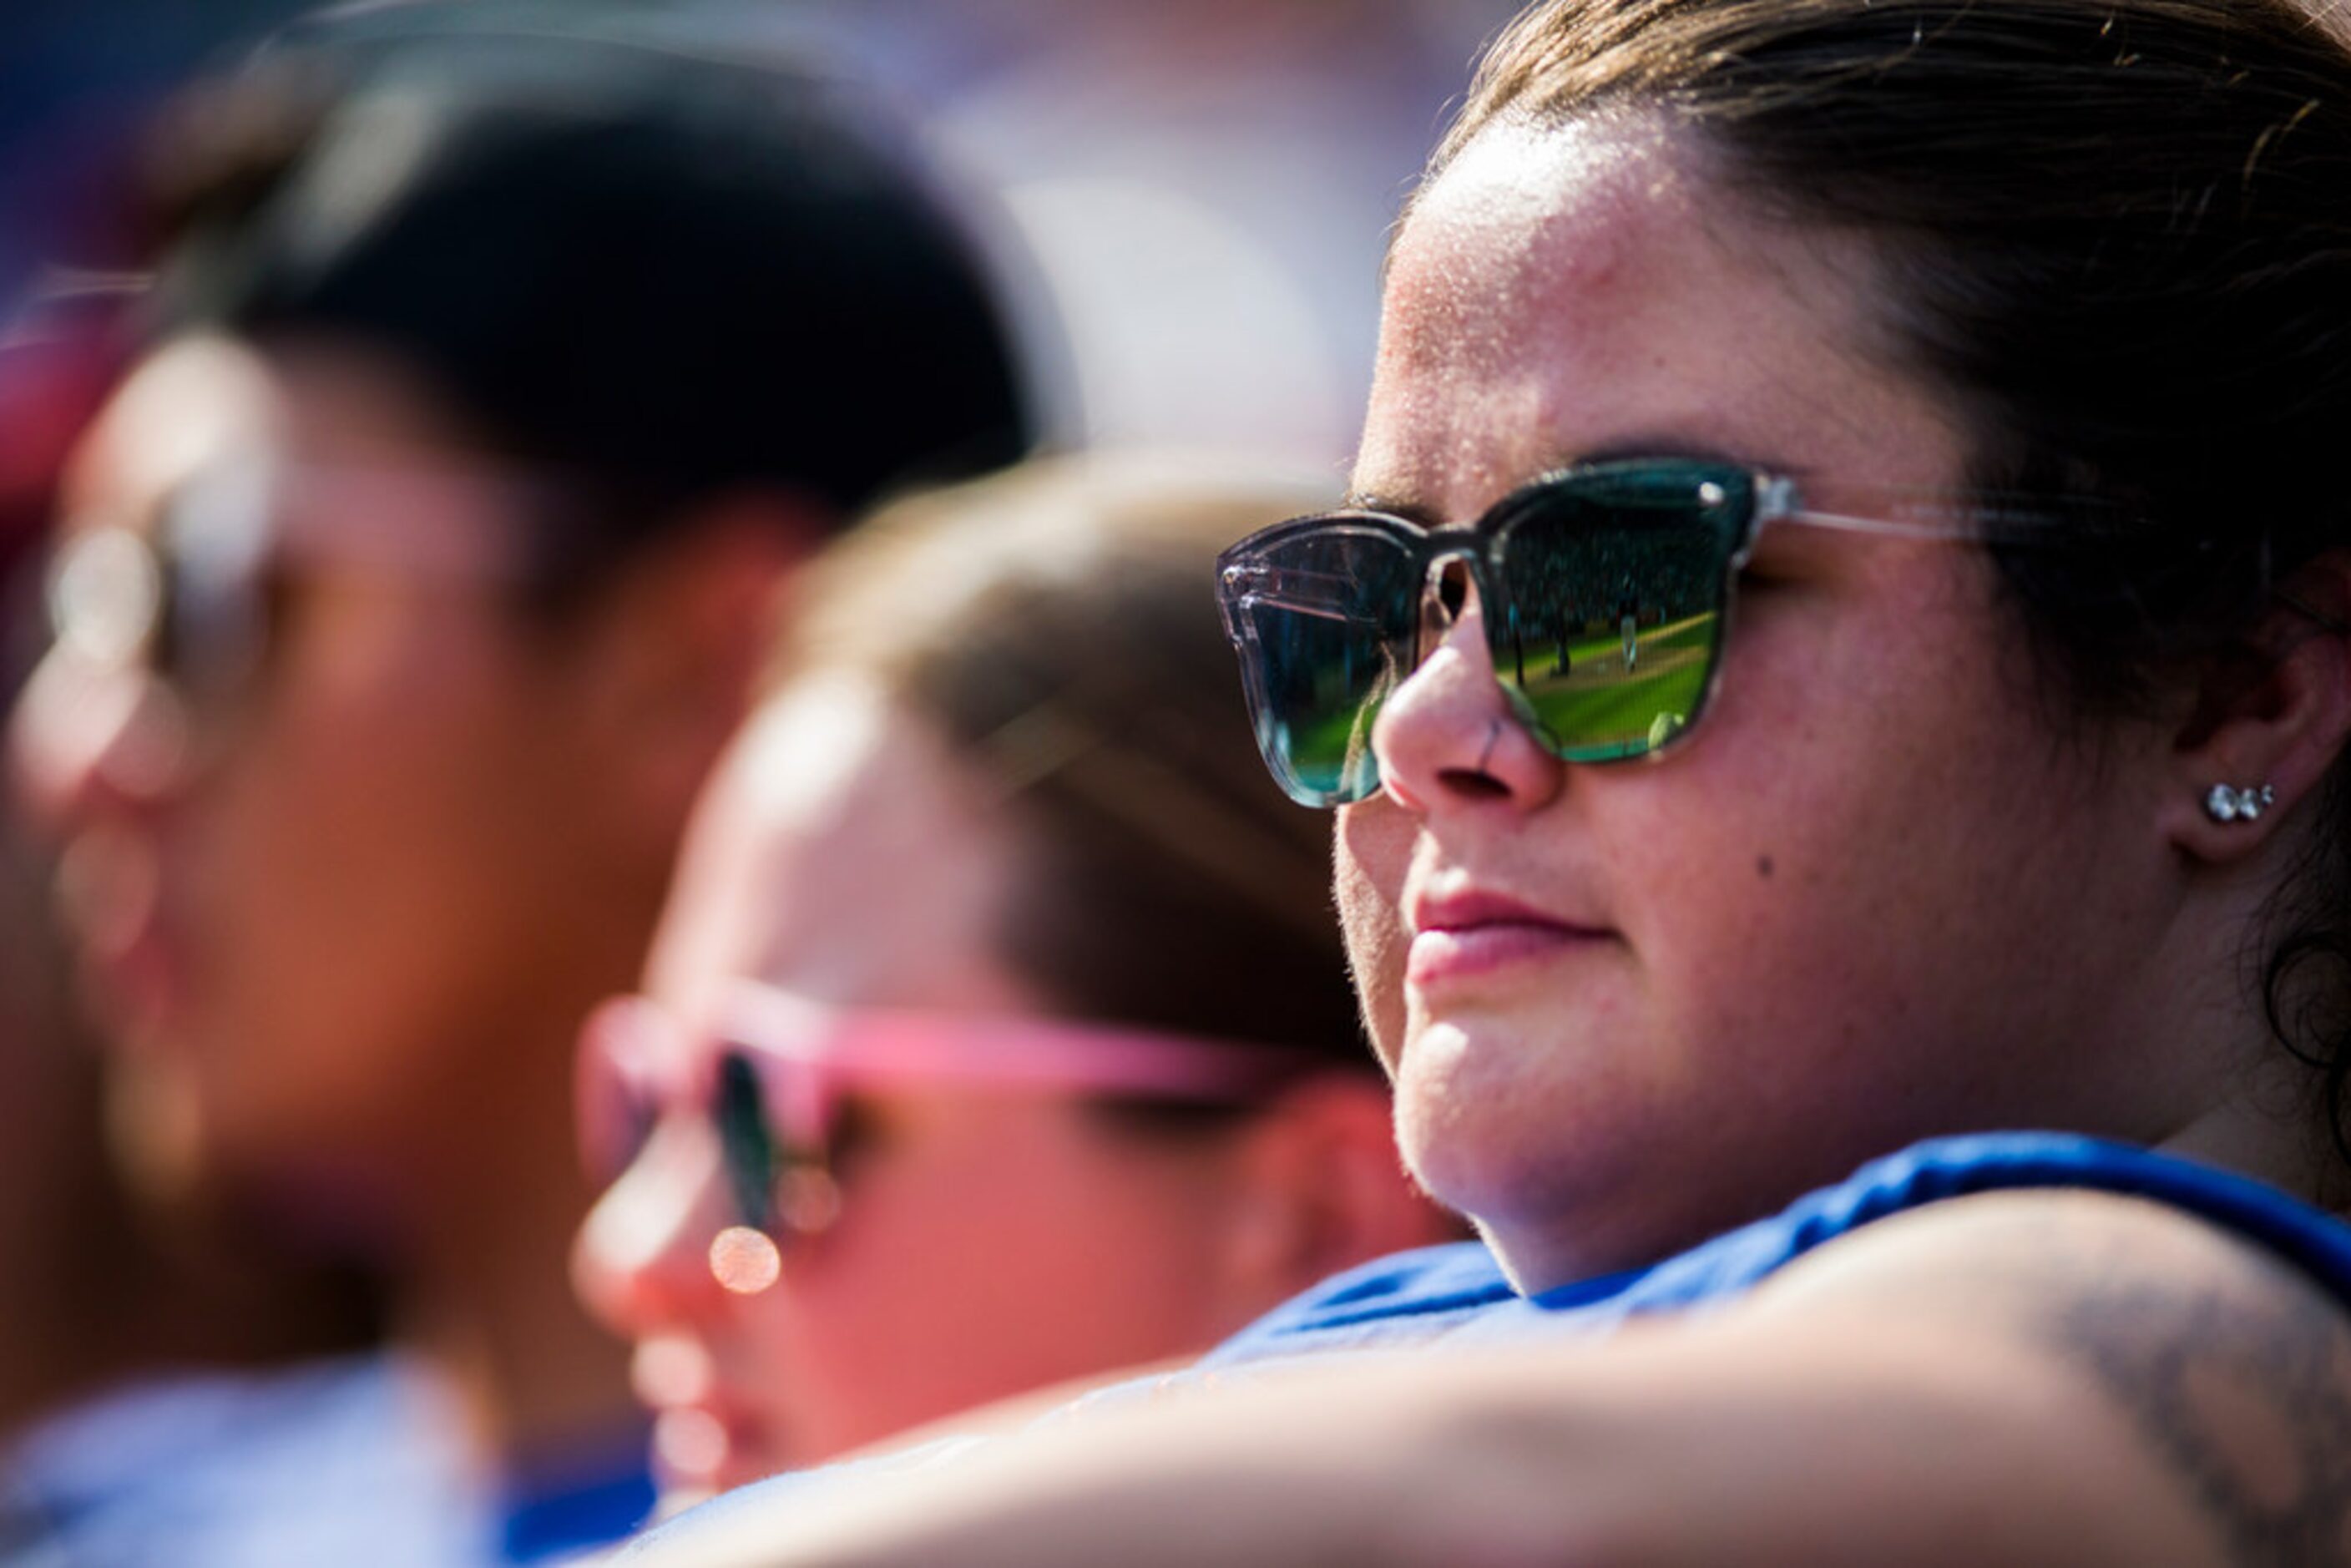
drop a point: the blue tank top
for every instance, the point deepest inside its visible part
(1457, 1293)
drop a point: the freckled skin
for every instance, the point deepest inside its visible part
(1756, 1022)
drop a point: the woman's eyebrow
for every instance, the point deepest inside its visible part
(1618, 450)
(1410, 511)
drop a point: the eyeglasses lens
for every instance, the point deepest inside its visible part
(745, 1144)
(781, 1186)
(1612, 589)
(107, 595)
(1608, 587)
(1332, 614)
(215, 543)
(189, 603)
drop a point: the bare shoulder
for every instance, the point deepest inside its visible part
(2231, 1367)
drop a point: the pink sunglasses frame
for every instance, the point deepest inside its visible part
(833, 1049)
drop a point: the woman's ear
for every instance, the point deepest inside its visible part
(1322, 1188)
(2270, 721)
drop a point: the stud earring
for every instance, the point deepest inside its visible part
(2227, 805)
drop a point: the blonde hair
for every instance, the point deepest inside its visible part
(1056, 625)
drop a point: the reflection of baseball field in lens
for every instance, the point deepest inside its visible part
(1331, 742)
(1601, 589)
(1603, 705)
(1599, 709)
(1323, 661)
(1613, 589)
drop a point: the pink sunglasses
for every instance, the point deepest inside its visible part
(786, 1066)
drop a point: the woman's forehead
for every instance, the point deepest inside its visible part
(842, 852)
(1532, 215)
(793, 770)
(1562, 291)
(805, 749)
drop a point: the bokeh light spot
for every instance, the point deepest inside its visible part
(745, 1260)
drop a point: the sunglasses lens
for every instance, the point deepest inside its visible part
(744, 1142)
(215, 538)
(106, 595)
(1325, 619)
(615, 1097)
(1616, 579)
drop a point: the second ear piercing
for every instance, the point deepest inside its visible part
(2226, 804)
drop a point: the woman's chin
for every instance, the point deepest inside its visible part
(1475, 1089)
(1548, 1158)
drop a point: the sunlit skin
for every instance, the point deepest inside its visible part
(989, 1242)
(1888, 886)
(1628, 1006)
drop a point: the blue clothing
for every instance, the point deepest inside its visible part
(352, 1462)
(1458, 1295)
(561, 1511)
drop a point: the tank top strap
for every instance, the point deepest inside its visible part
(1459, 1294)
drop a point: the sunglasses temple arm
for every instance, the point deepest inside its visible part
(1959, 524)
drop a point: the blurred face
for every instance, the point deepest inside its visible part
(1871, 899)
(988, 1239)
(311, 874)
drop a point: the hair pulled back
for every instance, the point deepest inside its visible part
(2117, 234)
(1054, 625)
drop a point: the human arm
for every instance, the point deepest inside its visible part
(2014, 1378)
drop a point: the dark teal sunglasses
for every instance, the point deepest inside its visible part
(1605, 591)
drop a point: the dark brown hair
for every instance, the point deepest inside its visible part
(1057, 626)
(2117, 233)
(663, 275)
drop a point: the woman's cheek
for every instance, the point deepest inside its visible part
(1373, 847)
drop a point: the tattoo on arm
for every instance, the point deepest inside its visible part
(2243, 1390)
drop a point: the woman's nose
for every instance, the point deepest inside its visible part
(1448, 736)
(642, 1260)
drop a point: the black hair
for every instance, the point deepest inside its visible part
(664, 278)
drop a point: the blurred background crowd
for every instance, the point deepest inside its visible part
(630, 854)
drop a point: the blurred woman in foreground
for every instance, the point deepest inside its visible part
(996, 1034)
(1990, 355)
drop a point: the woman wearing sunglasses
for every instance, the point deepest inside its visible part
(996, 1034)
(1836, 678)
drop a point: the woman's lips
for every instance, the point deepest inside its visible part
(1464, 936)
